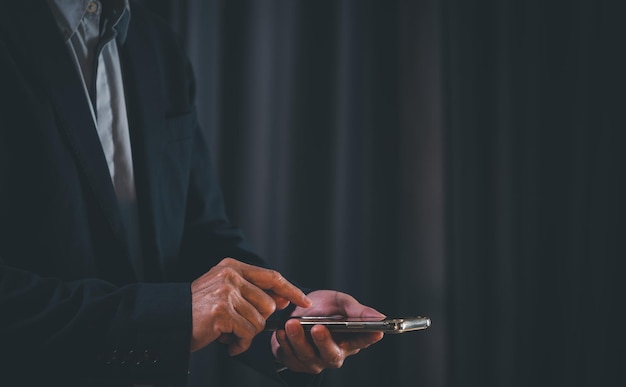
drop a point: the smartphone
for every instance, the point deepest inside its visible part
(351, 324)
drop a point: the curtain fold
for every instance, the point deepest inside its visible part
(461, 159)
(535, 96)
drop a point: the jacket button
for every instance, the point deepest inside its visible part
(149, 357)
(113, 358)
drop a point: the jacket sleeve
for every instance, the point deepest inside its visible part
(58, 329)
(91, 329)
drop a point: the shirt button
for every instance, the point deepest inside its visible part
(92, 7)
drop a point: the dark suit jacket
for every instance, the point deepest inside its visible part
(70, 307)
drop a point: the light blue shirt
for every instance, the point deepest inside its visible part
(92, 34)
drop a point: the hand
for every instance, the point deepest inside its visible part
(312, 354)
(231, 302)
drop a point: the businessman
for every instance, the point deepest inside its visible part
(117, 259)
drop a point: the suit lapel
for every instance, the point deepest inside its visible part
(45, 50)
(146, 119)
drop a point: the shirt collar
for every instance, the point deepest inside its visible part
(69, 13)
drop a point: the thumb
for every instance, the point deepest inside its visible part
(353, 308)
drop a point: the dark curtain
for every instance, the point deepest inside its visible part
(535, 178)
(460, 159)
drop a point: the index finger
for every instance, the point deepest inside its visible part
(268, 279)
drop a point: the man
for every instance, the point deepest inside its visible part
(116, 257)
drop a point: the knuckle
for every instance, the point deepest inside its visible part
(227, 262)
(267, 307)
(228, 274)
(316, 369)
(243, 330)
(258, 324)
(223, 310)
(221, 326)
(223, 293)
(336, 361)
(271, 308)
(276, 276)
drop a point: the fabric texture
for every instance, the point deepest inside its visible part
(73, 310)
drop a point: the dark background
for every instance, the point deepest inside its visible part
(461, 159)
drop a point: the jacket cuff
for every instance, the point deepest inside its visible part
(150, 339)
